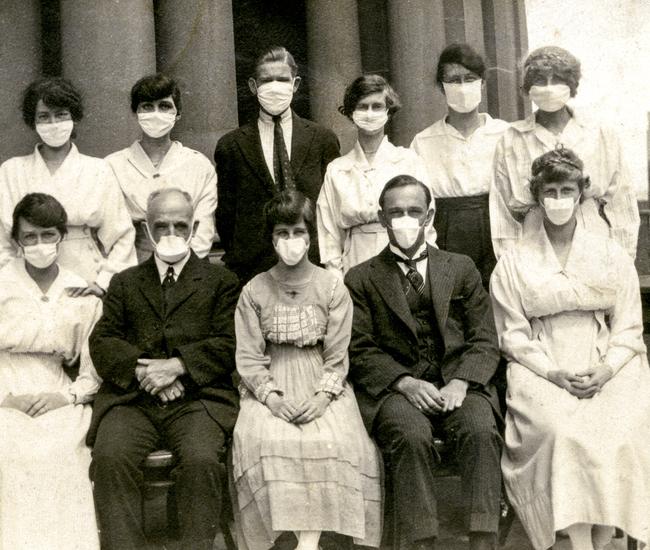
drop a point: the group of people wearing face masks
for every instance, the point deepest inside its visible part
(539, 212)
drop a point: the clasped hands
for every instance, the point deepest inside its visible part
(160, 377)
(310, 409)
(425, 397)
(35, 404)
(583, 384)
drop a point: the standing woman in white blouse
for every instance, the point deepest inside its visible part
(155, 161)
(349, 231)
(100, 236)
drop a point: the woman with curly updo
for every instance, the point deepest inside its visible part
(609, 206)
(568, 312)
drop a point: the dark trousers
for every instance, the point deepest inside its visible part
(463, 226)
(405, 437)
(126, 435)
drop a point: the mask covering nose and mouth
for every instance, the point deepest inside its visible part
(559, 211)
(41, 255)
(156, 124)
(463, 98)
(275, 97)
(55, 134)
(406, 231)
(171, 248)
(550, 98)
(370, 121)
(292, 250)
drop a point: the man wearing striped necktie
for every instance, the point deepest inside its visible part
(422, 357)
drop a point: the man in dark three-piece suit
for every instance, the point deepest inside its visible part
(164, 348)
(422, 355)
(278, 150)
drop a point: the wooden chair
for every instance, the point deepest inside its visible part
(158, 485)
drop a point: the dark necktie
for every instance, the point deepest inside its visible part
(281, 165)
(416, 280)
(168, 281)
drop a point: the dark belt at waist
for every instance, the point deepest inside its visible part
(462, 203)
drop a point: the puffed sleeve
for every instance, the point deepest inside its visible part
(625, 317)
(85, 386)
(252, 360)
(336, 341)
(204, 208)
(331, 237)
(116, 232)
(505, 229)
(516, 338)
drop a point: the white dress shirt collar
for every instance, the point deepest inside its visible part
(268, 119)
(163, 266)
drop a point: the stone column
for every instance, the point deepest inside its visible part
(106, 46)
(417, 36)
(334, 62)
(506, 45)
(196, 46)
(20, 64)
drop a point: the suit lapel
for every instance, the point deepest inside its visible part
(301, 138)
(251, 148)
(386, 278)
(151, 287)
(188, 283)
(441, 284)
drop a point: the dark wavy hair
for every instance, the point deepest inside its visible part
(461, 54)
(41, 210)
(364, 86)
(559, 164)
(55, 92)
(279, 54)
(555, 61)
(153, 87)
(288, 207)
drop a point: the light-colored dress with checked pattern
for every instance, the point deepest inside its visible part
(323, 475)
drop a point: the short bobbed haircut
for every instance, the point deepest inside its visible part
(460, 54)
(55, 92)
(402, 181)
(288, 207)
(364, 86)
(41, 210)
(276, 54)
(554, 166)
(554, 61)
(153, 87)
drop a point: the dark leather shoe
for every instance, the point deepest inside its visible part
(482, 541)
(425, 544)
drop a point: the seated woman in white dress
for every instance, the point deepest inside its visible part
(100, 236)
(568, 312)
(303, 461)
(45, 493)
(349, 231)
(155, 161)
(608, 206)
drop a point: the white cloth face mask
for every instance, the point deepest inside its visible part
(559, 211)
(171, 248)
(550, 98)
(275, 97)
(156, 124)
(370, 121)
(55, 134)
(292, 250)
(463, 97)
(41, 255)
(406, 231)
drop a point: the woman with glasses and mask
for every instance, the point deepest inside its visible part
(609, 206)
(303, 461)
(45, 493)
(568, 312)
(99, 239)
(458, 151)
(349, 231)
(156, 161)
